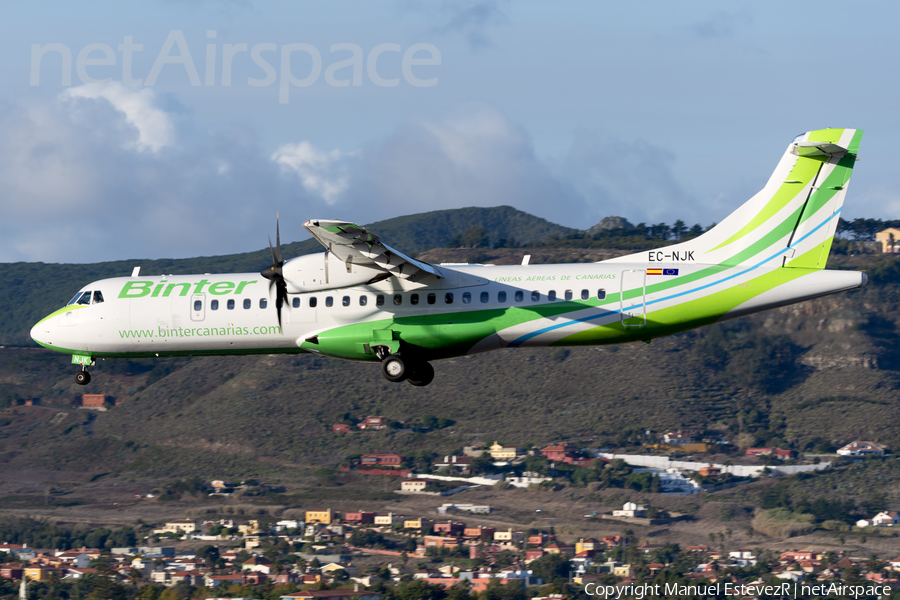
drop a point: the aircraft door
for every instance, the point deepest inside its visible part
(633, 298)
(198, 307)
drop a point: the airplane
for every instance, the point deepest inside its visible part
(363, 300)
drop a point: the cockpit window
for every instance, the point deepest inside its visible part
(74, 299)
(85, 298)
(98, 296)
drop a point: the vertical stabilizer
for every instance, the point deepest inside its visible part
(796, 213)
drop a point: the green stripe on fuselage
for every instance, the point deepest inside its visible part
(691, 314)
(61, 311)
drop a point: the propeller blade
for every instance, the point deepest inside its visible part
(280, 260)
(272, 250)
(274, 274)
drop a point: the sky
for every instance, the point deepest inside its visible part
(179, 128)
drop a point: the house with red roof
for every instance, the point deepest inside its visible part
(373, 423)
(861, 449)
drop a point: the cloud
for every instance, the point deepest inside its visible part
(634, 179)
(98, 176)
(474, 157)
(321, 172)
(110, 173)
(154, 127)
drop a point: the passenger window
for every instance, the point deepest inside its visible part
(98, 296)
(247, 303)
(448, 298)
(363, 300)
(345, 301)
(585, 294)
(467, 297)
(414, 299)
(551, 295)
(601, 294)
(329, 301)
(198, 305)
(263, 303)
(432, 298)
(569, 295)
(295, 302)
(85, 298)
(535, 296)
(313, 301)
(398, 299)
(379, 300)
(520, 296)
(214, 305)
(501, 296)
(485, 297)
(231, 305)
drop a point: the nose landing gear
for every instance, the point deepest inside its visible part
(82, 377)
(417, 372)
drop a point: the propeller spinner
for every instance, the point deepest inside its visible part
(275, 274)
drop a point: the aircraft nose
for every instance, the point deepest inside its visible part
(40, 333)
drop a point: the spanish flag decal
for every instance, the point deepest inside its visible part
(662, 271)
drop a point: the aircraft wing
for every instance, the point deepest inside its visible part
(353, 244)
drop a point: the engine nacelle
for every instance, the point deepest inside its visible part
(322, 271)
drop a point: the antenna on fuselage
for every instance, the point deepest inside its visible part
(526, 259)
(136, 272)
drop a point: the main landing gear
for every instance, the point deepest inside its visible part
(82, 377)
(416, 372)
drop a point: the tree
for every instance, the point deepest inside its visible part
(208, 553)
(421, 590)
(497, 591)
(551, 567)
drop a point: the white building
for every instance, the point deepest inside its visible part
(886, 519)
(527, 478)
(479, 509)
(413, 485)
(860, 449)
(630, 509)
(676, 438)
(674, 482)
(387, 520)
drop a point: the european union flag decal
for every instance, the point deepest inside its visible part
(670, 271)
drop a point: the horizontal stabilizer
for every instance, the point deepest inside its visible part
(817, 149)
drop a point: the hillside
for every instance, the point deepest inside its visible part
(813, 374)
(809, 376)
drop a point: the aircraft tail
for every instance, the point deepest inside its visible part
(796, 213)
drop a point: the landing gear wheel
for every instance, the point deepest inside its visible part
(421, 374)
(393, 368)
(82, 378)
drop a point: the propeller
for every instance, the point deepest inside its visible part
(274, 274)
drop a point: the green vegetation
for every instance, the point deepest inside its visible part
(41, 534)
